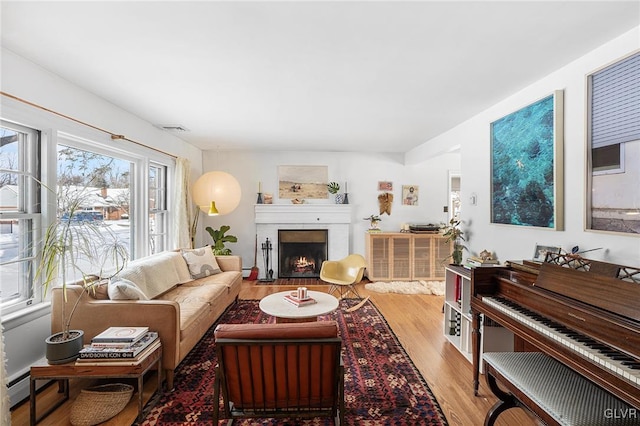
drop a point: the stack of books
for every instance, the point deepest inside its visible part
(119, 346)
(475, 262)
(293, 299)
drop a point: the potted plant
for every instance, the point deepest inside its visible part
(453, 233)
(219, 240)
(334, 188)
(80, 245)
(373, 221)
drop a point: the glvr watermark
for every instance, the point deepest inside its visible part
(621, 413)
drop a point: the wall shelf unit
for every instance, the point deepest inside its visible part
(398, 256)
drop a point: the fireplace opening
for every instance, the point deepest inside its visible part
(301, 252)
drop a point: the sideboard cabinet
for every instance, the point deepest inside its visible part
(398, 256)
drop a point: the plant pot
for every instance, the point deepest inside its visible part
(62, 351)
(339, 198)
(457, 257)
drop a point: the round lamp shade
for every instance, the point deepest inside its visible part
(220, 187)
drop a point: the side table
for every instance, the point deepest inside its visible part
(71, 370)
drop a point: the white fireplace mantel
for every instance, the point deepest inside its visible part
(335, 218)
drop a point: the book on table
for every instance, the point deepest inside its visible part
(86, 362)
(475, 262)
(120, 335)
(109, 353)
(299, 302)
(479, 260)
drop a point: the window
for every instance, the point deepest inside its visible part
(608, 159)
(613, 145)
(19, 213)
(123, 185)
(158, 214)
(94, 189)
(122, 191)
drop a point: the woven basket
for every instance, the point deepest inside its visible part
(98, 404)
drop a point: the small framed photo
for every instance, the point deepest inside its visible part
(410, 195)
(540, 252)
(385, 186)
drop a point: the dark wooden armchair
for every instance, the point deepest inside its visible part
(279, 370)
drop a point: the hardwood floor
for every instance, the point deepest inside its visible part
(416, 320)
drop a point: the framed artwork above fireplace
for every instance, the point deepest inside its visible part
(303, 182)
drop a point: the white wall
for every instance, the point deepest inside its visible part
(361, 171)
(517, 242)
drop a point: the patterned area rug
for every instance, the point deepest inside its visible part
(382, 385)
(408, 287)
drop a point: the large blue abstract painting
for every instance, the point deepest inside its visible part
(526, 166)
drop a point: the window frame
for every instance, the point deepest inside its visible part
(613, 176)
(163, 211)
(28, 210)
(139, 184)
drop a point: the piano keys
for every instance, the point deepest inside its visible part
(609, 358)
(588, 321)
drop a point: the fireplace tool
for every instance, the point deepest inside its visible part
(266, 255)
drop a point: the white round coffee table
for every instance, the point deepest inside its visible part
(284, 311)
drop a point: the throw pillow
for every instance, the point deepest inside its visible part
(121, 289)
(98, 290)
(201, 262)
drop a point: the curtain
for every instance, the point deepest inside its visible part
(182, 207)
(5, 414)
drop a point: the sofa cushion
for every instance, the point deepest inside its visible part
(123, 289)
(226, 279)
(157, 273)
(201, 262)
(203, 294)
(193, 301)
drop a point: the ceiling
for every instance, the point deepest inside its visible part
(379, 76)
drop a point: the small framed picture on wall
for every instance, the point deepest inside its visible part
(410, 195)
(385, 186)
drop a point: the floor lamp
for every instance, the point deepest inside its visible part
(215, 193)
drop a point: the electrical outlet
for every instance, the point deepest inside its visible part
(445, 209)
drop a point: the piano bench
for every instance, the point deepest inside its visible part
(551, 391)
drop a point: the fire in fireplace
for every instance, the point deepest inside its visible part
(301, 252)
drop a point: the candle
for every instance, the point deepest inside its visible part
(259, 186)
(345, 187)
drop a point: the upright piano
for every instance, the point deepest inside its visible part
(583, 313)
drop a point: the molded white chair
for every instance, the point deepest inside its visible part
(343, 274)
